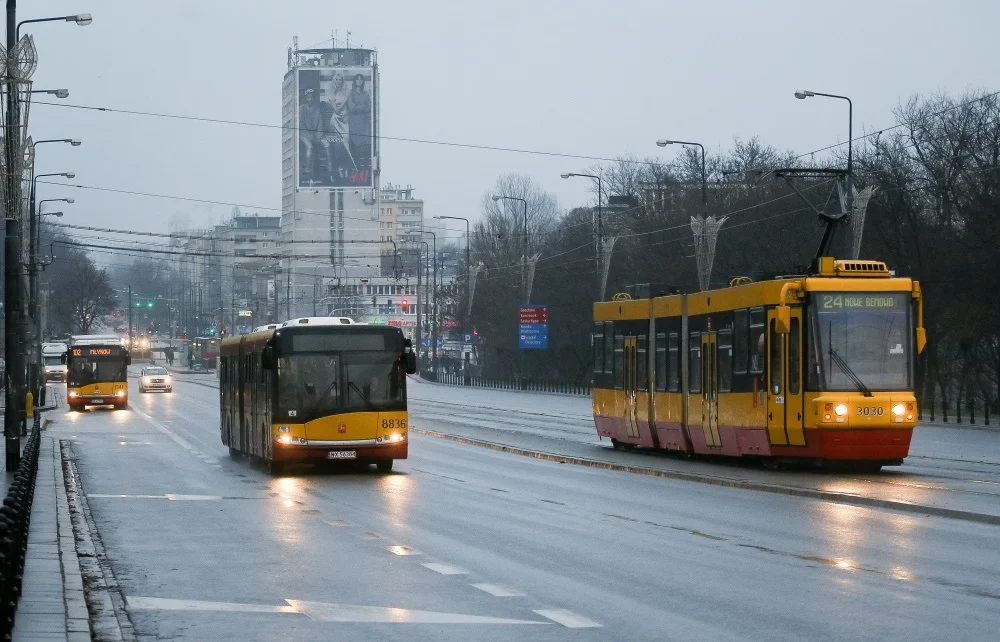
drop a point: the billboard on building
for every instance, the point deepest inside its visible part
(336, 123)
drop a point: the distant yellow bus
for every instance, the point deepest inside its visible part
(97, 372)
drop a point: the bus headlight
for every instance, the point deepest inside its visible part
(120, 393)
(72, 393)
(898, 410)
(841, 410)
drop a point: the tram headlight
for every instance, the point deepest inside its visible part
(898, 410)
(841, 409)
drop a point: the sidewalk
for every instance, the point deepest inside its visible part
(52, 604)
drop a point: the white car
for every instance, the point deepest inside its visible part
(155, 378)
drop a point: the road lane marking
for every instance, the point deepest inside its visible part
(169, 496)
(445, 569)
(498, 591)
(170, 604)
(110, 496)
(569, 619)
(323, 612)
(192, 498)
(402, 550)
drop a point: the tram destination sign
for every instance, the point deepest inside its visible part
(533, 327)
(860, 301)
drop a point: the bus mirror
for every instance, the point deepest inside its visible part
(411, 363)
(921, 339)
(782, 319)
(128, 359)
(62, 358)
(267, 358)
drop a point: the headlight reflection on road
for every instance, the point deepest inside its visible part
(287, 523)
(398, 493)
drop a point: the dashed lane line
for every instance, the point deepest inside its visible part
(569, 619)
(498, 591)
(402, 550)
(445, 569)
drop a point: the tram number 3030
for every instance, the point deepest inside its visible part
(870, 412)
(394, 424)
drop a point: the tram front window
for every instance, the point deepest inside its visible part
(860, 340)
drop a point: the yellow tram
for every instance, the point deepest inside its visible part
(813, 368)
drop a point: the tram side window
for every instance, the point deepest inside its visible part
(598, 339)
(794, 367)
(609, 355)
(758, 349)
(694, 363)
(641, 365)
(673, 363)
(619, 361)
(725, 360)
(741, 345)
(661, 362)
(775, 359)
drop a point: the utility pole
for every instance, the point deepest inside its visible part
(13, 301)
(130, 318)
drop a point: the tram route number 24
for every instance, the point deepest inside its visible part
(393, 424)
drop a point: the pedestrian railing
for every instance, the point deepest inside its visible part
(558, 387)
(15, 515)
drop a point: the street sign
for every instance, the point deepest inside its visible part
(246, 313)
(533, 327)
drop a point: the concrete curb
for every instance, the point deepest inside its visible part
(841, 498)
(77, 614)
(105, 601)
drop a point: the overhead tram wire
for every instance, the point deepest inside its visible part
(223, 121)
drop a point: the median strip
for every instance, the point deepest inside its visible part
(842, 498)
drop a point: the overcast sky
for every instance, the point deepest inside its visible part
(587, 77)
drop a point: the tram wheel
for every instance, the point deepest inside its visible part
(384, 465)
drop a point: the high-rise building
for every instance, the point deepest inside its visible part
(329, 186)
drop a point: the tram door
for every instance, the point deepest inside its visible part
(630, 385)
(784, 381)
(710, 388)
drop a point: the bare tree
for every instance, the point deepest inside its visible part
(81, 296)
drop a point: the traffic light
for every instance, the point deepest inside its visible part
(404, 305)
(149, 304)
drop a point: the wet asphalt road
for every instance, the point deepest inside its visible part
(466, 543)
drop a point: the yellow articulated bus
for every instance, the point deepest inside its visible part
(316, 388)
(815, 368)
(96, 372)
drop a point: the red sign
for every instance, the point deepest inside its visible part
(534, 314)
(448, 323)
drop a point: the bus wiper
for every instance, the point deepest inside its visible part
(315, 406)
(837, 359)
(364, 397)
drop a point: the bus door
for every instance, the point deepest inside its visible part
(784, 381)
(710, 388)
(629, 388)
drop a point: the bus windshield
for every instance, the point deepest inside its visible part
(317, 384)
(82, 372)
(860, 340)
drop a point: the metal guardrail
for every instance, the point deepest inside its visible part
(15, 516)
(558, 387)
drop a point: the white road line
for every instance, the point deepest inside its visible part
(498, 591)
(170, 604)
(569, 619)
(108, 496)
(402, 550)
(445, 569)
(322, 612)
(352, 613)
(192, 498)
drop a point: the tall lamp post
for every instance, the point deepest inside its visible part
(802, 94)
(468, 259)
(704, 178)
(82, 19)
(600, 231)
(434, 308)
(524, 259)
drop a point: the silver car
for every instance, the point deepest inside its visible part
(155, 378)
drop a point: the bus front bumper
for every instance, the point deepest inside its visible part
(285, 452)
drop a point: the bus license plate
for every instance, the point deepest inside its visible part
(342, 454)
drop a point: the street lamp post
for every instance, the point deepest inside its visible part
(704, 178)
(58, 93)
(82, 19)
(600, 231)
(434, 305)
(802, 94)
(524, 259)
(468, 263)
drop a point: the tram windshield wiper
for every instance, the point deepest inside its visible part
(837, 359)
